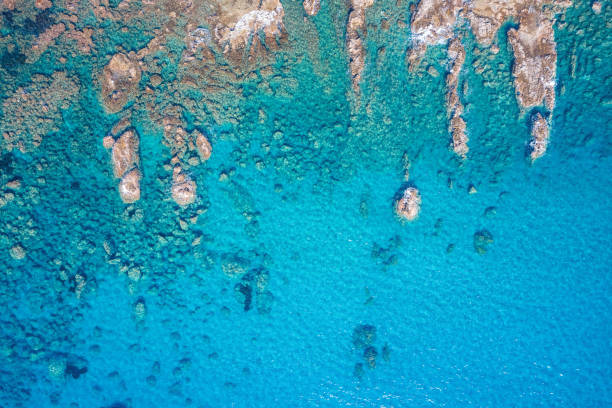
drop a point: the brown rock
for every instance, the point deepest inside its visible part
(454, 107)
(203, 146)
(312, 7)
(125, 153)
(535, 59)
(355, 33)
(432, 23)
(409, 205)
(236, 25)
(183, 190)
(539, 137)
(42, 4)
(129, 187)
(120, 78)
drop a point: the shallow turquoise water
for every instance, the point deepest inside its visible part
(525, 324)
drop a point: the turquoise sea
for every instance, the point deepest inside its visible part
(302, 288)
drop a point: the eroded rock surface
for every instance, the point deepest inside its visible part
(409, 205)
(539, 136)
(126, 161)
(454, 107)
(355, 35)
(433, 22)
(237, 24)
(119, 80)
(533, 45)
(535, 60)
(312, 7)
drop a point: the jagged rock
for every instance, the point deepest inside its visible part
(539, 136)
(119, 79)
(125, 153)
(129, 186)
(535, 59)
(409, 205)
(203, 146)
(237, 25)
(432, 23)
(183, 190)
(454, 107)
(312, 7)
(355, 35)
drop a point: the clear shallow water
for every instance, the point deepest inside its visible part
(525, 324)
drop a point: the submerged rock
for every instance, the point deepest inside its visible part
(364, 335)
(482, 240)
(369, 355)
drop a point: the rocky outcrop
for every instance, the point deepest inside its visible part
(539, 137)
(129, 186)
(487, 16)
(311, 7)
(409, 205)
(119, 80)
(125, 153)
(126, 162)
(533, 45)
(203, 146)
(355, 35)
(237, 25)
(183, 189)
(535, 59)
(454, 107)
(433, 22)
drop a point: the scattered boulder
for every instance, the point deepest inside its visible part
(364, 335)
(409, 205)
(369, 355)
(482, 239)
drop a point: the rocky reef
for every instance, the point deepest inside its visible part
(33, 111)
(355, 35)
(454, 107)
(533, 45)
(312, 7)
(237, 25)
(126, 160)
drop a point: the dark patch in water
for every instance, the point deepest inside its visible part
(6, 163)
(40, 24)
(11, 61)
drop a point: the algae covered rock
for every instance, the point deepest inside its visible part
(119, 80)
(364, 335)
(482, 240)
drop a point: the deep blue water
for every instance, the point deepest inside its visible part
(526, 324)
